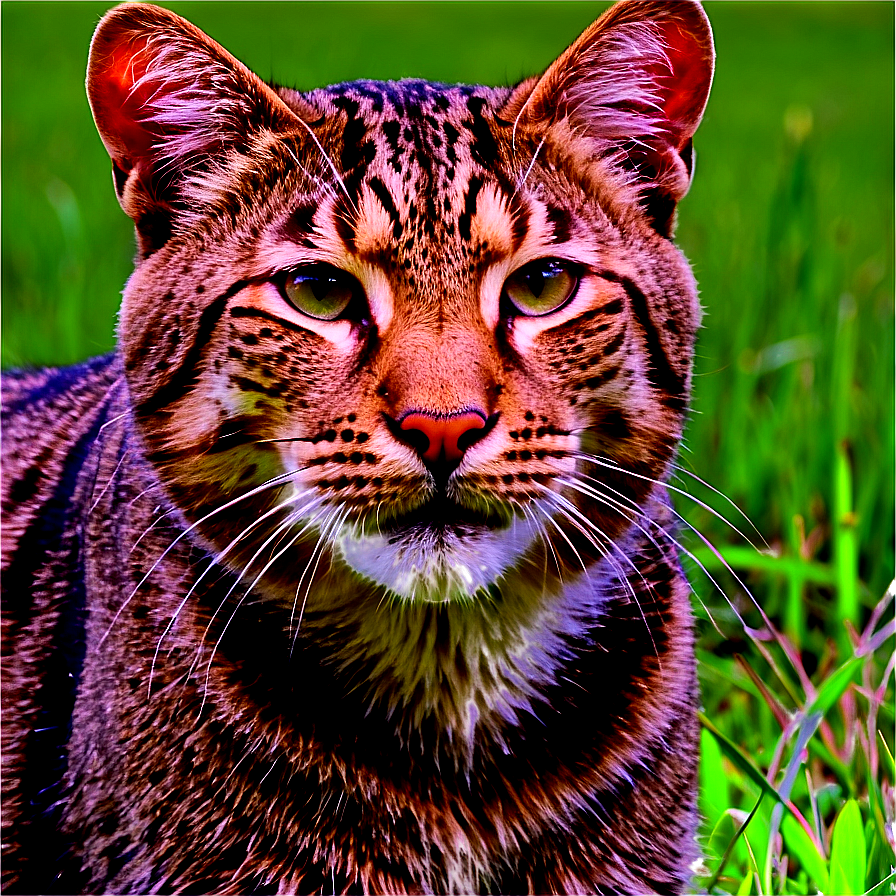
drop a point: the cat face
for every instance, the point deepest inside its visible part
(425, 335)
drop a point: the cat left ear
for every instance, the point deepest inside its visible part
(636, 83)
(167, 100)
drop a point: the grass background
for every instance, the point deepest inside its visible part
(789, 225)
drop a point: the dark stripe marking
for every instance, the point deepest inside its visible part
(574, 326)
(612, 307)
(483, 147)
(659, 370)
(593, 382)
(614, 344)
(247, 385)
(300, 223)
(188, 372)
(560, 222)
(241, 311)
(615, 424)
(55, 536)
(381, 191)
(463, 222)
(520, 218)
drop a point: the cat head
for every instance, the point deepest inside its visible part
(438, 333)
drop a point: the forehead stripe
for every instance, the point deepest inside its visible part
(463, 221)
(560, 222)
(381, 191)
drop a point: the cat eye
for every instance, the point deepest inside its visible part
(540, 287)
(320, 291)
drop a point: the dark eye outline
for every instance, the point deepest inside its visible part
(356, 308)
(509, 307)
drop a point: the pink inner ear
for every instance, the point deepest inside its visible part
(123, 105)
(684, 88)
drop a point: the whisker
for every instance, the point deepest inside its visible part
(216, 561)
(681, 547)
(328, 160)
(522, 182)
(292, 519)
(334, 524)
(680, 469)
(629, 505)
(276, 480)
(145, 491)
(109, 481)
(570, 507)
(529, 513)
(117, 417)
(330, 513)
(611, 465)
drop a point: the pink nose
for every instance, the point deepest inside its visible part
(445, 434)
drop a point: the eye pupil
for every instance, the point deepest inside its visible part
(535, 282)
(320, 286)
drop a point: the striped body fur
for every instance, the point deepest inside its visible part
(352, 569)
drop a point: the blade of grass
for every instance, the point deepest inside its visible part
(806, 851)
(848, 849)
(846, 546)
(888, 756)
(760, 561)
(781, 715)
(751, 770)
(737, 835)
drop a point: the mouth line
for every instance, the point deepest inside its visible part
(440, 515)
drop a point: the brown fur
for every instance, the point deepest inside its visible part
(255, 640)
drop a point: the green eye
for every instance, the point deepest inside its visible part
(320, 291)
(540, 287)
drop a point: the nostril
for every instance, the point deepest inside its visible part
(466, 438)
(417, 439)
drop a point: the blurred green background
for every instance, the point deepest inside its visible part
(789, 226)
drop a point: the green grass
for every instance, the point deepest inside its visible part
(790, 228)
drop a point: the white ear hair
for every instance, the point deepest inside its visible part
(170, 103)
(635, 84)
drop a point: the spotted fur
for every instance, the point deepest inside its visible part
(258, 635)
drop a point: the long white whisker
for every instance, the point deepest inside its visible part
(330, 515)
(522, 182)
(570, 508)
(332, 526)
(109, 481)
(215, 561)
(117, 417)
(611, 465)
(529, 513)
(680, 469)
(293, 518)
(626, 505)
(695, 560)
(276, 480)
(329, 162)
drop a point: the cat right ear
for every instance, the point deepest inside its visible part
(167, 100)
(635, 84)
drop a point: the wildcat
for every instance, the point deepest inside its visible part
(352, 568)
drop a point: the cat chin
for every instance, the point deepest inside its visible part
(426, 565)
